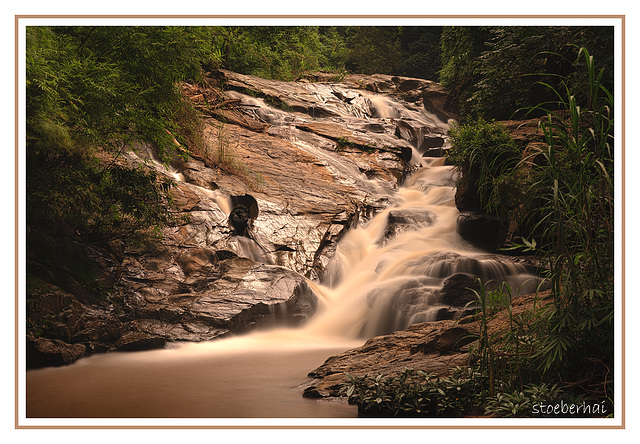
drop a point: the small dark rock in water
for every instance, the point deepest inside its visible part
(431, 142)
(480, 230)
(247, 201)
(457, 289)
(240, 219)
(399, 221)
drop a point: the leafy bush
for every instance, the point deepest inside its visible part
(484, 152)
(103, 89)
(415, 393)
(520, 404)
(574, 225)
(494, 71)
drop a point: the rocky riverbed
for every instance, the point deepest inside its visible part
(324, 158)
(288, 169)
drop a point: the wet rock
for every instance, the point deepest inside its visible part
(458, 289)
(248, 202)
(445, 342)
(400, 221)
(429, 143)
(228, 296)
(388, 355)
(466, 198)
(42, 352)
(138, 341)
(481, 230)
(433, 347)
(437, 101)
(405, 84)
(240, 218)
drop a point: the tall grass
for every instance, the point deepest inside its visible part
(575, 222)
(564, 345)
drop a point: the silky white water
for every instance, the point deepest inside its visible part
(382, 284)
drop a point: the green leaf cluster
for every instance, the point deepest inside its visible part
(288, 52)
(415, 393)
(485, 154)
(566, 210)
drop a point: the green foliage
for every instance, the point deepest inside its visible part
(100, 203)
(575, 224)
(461, 48)
(520, 404)
(421, 53)
(373, 49)
(567, 223)
(281, 52)
(287, 52)
(493, 72)
(104, 88)
(414, 393)
(485, 154)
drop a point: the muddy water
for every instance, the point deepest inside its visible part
(246, 377)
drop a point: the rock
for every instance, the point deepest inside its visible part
(247, 201)
(436, 100)
(390, 355)
(445, 342)
(433, 347)
(406, 84)
(435, 152)
(229, 296)
(480, 230)
(138, 341)
(432, 145)
(458, 289)
(42, 352)
(197, 173)
(240, 218)
(400, 221)
(466, 198)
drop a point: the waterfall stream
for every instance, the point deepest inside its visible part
(385, 276)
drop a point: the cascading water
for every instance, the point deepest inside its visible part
(387, 274)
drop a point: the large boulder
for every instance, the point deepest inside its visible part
(391, 355)
(228, 296)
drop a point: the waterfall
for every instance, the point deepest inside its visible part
(389, 271)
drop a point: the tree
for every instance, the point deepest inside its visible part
(373, 49)
(494, 72)
(93, 89)
(420, 46)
